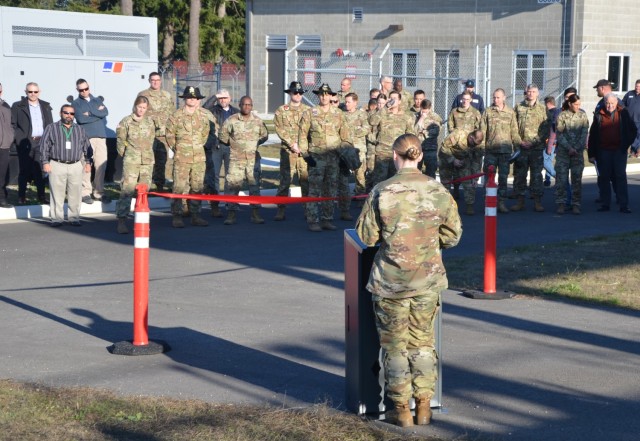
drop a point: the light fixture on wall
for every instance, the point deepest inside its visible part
(396, 28)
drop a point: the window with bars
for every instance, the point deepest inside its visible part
(530, 69)
(405, 67)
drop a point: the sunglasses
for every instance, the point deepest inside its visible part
(69, 113)
(33, 91)
(296, 93)
(83, 90)
(334, 101)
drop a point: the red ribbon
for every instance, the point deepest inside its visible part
(277, 200)
(466, 178)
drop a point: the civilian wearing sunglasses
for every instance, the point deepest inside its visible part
(91, 115)
(287, 124)
(30, 116)
(66, 156)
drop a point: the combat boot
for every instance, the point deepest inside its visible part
(327, 225)
(122, 225)
(560, 209)
(502, 208)
(423, 411)
(470, 211)
(280, 214)
(177, 222)
(255, 216)
(537, 204)
(345, 215)
(401, 415)
(197, 221)
(575, 209)
(519, 205)
(231, 217)
(315, 227)
(215, 210)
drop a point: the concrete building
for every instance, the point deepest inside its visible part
(433, 45)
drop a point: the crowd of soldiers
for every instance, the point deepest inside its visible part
(324, 145)
(318, 145)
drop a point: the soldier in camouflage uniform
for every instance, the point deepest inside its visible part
(135, 135)
(418, 97)
(161, 107)
(458, 151)
(389, 123)
(187, 131)
(467, 118)
(572, 129)
(359, 128)
(287, 124)
(533, 128)
(323, 129)
(414, 217)
(243, 133)
(345, 88)
(428, 124)
(405, 95)
(501, 138)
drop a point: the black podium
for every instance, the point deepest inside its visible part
(364, 370)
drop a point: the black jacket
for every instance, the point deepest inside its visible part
(628, 131)
(21, 121)
(218, 113)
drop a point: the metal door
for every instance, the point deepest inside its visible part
(275, 79)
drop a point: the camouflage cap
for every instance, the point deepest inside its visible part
(295, 86)
(191, 92)
(324, 89)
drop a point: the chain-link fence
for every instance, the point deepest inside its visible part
(229, 77)
(441, 78)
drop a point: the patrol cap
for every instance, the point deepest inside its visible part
(295, 86)
(470, 83)
(601, 83)
(324, 89)
(191, 92)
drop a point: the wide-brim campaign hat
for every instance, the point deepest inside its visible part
(295, 86)
(324, 89)
(191, 92)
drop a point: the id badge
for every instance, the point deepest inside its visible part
(68, 145)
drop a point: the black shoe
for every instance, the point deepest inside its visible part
(75, 224)
(105, 199)
(43, 200)
(56, 224)
(598, 201)
(603, 208)
(625, 210)
(22, 201)
(5, 205)
(87, 200)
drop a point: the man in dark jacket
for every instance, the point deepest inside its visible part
(29, 117)
(222, 110)
(6, 140)
(611, 134)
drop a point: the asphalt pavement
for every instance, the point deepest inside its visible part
(255, 314)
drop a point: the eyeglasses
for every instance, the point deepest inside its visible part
(33, 91)
(334, 101)
(83, 90)
(68, 113)
(296, 93)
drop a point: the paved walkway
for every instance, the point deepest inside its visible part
(255, 314)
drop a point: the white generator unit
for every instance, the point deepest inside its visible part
(113, 53)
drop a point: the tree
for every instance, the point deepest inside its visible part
(194, 37)
(126, 7)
